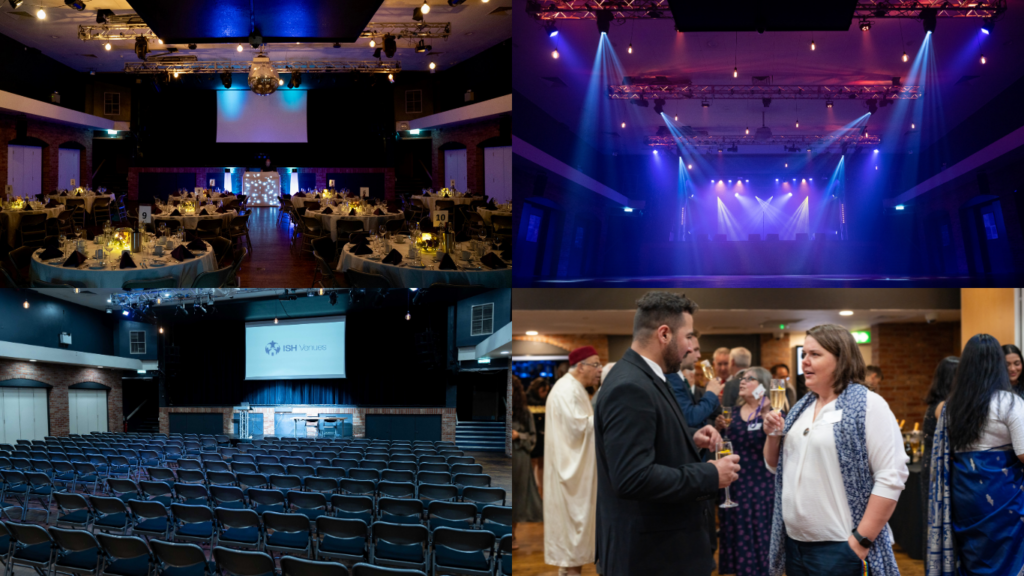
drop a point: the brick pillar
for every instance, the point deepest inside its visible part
(908, 354)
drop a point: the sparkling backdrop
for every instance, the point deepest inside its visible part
(262, 188)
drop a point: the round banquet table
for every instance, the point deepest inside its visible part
(213, 196)
(300, 201)
(486, 214)
(111, 276)
(13, 218)
(370, 221)
(405, 276)
(89, 200)
(190, 221)
(430, 200)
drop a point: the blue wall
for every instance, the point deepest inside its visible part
(502, 300)
(41, 324)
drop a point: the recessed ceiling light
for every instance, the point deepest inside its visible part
(99, 366)
(846, 313)
(505, 352)
(54, 37)
(31, 360)
(531, 332)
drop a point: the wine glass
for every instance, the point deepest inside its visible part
(62, 239)
(725, 449)
(727, 414)
(777, 396)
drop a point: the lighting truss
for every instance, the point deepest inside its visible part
(646, 9)
(413, 30)
(650, 91)
(851, 140)
(125, 27)
(132, 26)
(283, 66)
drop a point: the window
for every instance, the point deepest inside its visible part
(991, 231)
(138, 342)
(111, 104)
(483, 320)
(413, 101)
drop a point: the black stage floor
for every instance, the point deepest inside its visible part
(781, 281)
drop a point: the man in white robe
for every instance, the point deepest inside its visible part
(570, 467)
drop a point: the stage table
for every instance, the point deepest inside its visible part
(110, 276)
(14, 217)
(370, 221)
(262, 188)
(405, 275)
(430, 201)
(90, 199)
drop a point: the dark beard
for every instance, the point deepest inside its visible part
(671, 358)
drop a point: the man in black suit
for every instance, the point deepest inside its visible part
(651, 483)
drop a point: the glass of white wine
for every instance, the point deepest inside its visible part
(709, 372)
(777, 396)
(725, 449)
(727, 414)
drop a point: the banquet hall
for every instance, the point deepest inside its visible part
(302, 144)
(358, 431)
(815, 144)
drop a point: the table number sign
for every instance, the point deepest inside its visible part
(330, 183)
(146, 214)
(198, 190)
(440, 218)
(212, 182)
(364, 192)
(72, 182)
(9, 190)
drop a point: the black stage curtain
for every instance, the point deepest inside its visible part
(387, 365)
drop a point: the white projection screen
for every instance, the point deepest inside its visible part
(244, 116)
(295, 349)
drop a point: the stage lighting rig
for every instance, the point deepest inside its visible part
(422, 47)
(141, 47)
(642, 102)
(604, 21)
(987, 25)
(75, 4)
(390, 46)
(417, 14)
(103, 16)
(296, 80)
(376, 53)
(865, 25)
(256, 38)
(659, 106)
(828, 103)
(225, 79)
(705, 103)
(928, 19)
(551, 29)
(872, 106)
(15, 4)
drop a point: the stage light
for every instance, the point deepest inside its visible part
(748, 130)
(812, 45)
(551, 28)
(737, 194)
(876, 150)
(391, 78)
(239, 48)
(677, 118)
(872, 106)
(141, 47)
(982, 58)
(659, 106)
(828, 103)
(296, 80)
(432, 65)
(225, 79)
(376, 53)
(554, 53)
(41, 14)
(159, 41)
(797, 122)
(928, 19)
(865, 25)
(900, 206)
(604, 21)
(75, 4)
(912, 126)
(735, 72)
(987, 24)
(689, 166)
(107, 46)
(719, 151)
(15, 4)
(766, 102)
(811, 179)
(787, 166)
(730, 181)
(846, 312)
(802, 180)
(25, 304)
(904, 56)
(776, 179)
(704, 103)
(125, 312)
(275, 320)
(627, 209)
(746, 180)
(390, 45)
(630, 49)
(192, 46)
(280, 81)
(425, 8)
(175, 73)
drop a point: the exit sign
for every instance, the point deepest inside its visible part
(862, 336)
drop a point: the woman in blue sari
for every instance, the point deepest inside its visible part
(976, 500)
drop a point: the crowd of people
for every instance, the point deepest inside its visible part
(628, 455)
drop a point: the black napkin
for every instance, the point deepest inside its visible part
(377, 212)
(176, 203)
(360, 249)
(181, 253)
(52, 204)
(222, 210)
(328, 211)
(317, 196)
(175, 213)
(491, 205)
(491, 260)
(64, 193)
(50, 253)
(352, 212)
(447, 263)
(51, 242)
(27, 208)
(300, 195)
(506, 254)
(75, 260)
(393, 257)
(197, 244)
(126, 261)
(156, 210)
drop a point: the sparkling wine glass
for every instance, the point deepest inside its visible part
(725, 449)
(777, 396)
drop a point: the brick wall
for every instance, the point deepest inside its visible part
(53, 135)
(572, 341)
(448, 416)
(775, 352)
(907, 355)
(236, 177)
(60, 377)
(468, 135)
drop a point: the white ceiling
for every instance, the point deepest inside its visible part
(473, 30)
(849, 57)
(620, 322)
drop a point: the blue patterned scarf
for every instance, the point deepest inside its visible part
(941, 556)
(857, 479)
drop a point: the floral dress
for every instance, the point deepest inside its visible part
(745, 531)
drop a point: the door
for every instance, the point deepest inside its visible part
(67, 168)
(455, 169)
(25, 170)
(24, 414)
(87, 411)
(498, 173)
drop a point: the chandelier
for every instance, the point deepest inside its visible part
(263, 79)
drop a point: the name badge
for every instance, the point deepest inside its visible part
(833, 417)
(754, 426)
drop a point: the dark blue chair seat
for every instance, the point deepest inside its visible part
(385, 517)
(446, 556)
(401, 552)
(364, 516)
(153, 525)
(5, 542)
(113, 520)
(506, 564)
(87, 478)
(35, 553)
(457, 524)
(498, 530)
(129, 567)
(196, 570)
(236, 505)
(76, 517)
(42, 491)
(196, 529)
(261, 508)
(196, 502)
(249, 535)
(288, 539)
(352, 546)
(165, 500)
(310, 513)
(86, 559)
(19, 489)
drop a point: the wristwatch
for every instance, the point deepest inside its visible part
(862, 540)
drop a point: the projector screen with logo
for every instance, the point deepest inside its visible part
(295, 349)
(244, 116)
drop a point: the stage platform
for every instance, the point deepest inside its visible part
(770, 281)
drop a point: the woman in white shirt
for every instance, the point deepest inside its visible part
(976, 500)
(839, 469)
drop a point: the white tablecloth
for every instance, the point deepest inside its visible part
(113, 277)
(14, 219)
(430, 200)
(216, 196)
(370, 221)
(486, 214)
(89, 200)
(190, 221)
(403, 276)
(300, 201)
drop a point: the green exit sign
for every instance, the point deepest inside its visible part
(862, 336)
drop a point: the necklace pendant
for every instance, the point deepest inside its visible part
(806, 431)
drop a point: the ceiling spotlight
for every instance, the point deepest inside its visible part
(704, 103)
(928, 19)
(225, 79)
(987, 24)
(904, 56)
(748, 130)
(630, 50)
(296, 80)
(865, 25)
(15, 4)
(141, 47)
(677, 117)
(982, 58)
(797, 122)
(75, 4)
(41, 14)
(391, 78)
(376, 53)
(872, 106)
(107, 46)
(812, 45)
(604, 21)
(623, 124)
(175, 73)
(373, 43)
(422, 47)
(828, 103)
(390, 45)
(192, 46)
(239, 48)
(735, 72)
(425, 8)
(551, 29)
(432, 65)
(255, 38)
(417, 14)
(659, 106)
(102, 15)
(554, 53)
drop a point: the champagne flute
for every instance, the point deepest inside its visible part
(777, 396)
(725, 449)
(727, 414)
(709, 372)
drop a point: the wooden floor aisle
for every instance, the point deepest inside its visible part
(273, 262)
(529, 559)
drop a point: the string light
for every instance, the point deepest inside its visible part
(735, 72)
(373, 43)
(275, 320)
(239, 48)
(904, 56)
(982, 58)
(623, 124)
(106, 46)
(677, 118)
(41, 14)
(425, 9)
(554, 53)
(432, 65)
(812, 45)
(25, 304)
(735, 66)
(630, 49)
(748, 130)
(798, 123)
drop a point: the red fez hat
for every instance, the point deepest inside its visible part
(580, 354)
